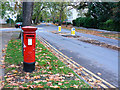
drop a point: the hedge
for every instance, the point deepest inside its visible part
(85, 22)
(8, 21)
(89, 22)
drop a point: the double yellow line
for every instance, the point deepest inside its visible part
(85, 74)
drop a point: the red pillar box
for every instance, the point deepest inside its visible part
(29, 39)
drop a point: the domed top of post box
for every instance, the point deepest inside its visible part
(29, 28)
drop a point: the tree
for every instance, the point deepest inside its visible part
(45, 14)
(19, 18)
(100, 11)
(116, 16)
(27, 13)
(5, 6)
(62, 6)
(38, 7)
(18, 8)
(52, 6)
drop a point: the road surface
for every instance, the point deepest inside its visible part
(94, 58)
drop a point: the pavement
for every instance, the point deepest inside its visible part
(5, 36)
(95, 58)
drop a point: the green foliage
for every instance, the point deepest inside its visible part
(66, 23)
(108, 22)
(5, 6)
(105, 15)
(74, 22)
(53, 8)
(39, 11)
(93, 23)
(11, 20)
(56, 21)
(102, 11)
(116, 16)
(85, 22)
(109, 25)
(19, 18)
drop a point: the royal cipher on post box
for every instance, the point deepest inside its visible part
(29, 40)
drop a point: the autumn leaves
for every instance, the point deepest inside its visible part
(49, 72)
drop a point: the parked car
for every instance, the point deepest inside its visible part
(66, 22)
(18, 25)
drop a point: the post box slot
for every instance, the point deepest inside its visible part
(29, 35)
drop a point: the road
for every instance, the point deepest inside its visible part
(94, 58)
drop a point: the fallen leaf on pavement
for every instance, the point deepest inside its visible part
(14, 71)
(6, 45)
(3, 57)
(8, 79)
(60, 84)
(66, 82)
(39, 86)
(3, 66)
(49, 83)
(37, 81)
(56, 86)
(90, 80)
(13, 84)
(12, 65)
(99, 73)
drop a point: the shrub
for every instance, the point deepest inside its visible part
(89, 22)
(85, 22)
(19, 18)
(109, 25)
(64, 23)
(8, 21)
(74, 22)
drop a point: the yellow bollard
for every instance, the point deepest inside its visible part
(46, 24)
(73, 31)
(59, 28)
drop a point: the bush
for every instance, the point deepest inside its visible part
(85, 22)
(109, 25)
(8, 21)
(74, 22)
(89, 22)
(19, 18)
(64, 23)
(56, 21)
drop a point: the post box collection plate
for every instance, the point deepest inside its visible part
(29, 41)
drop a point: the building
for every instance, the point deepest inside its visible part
(76, 14)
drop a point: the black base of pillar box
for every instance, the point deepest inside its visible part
(28, 67)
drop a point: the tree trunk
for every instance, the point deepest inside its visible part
(36, 20)
(27, 14)
(60, 18)
(54, 19)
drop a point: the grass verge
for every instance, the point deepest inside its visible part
(49, 71)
